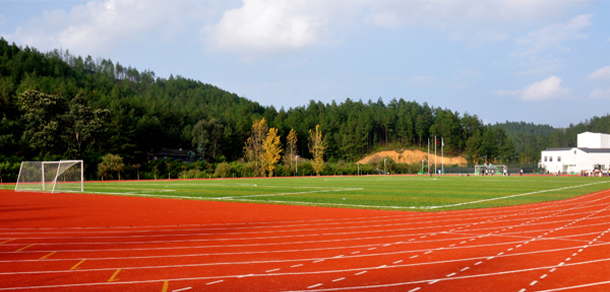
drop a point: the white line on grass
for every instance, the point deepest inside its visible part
(286, 194)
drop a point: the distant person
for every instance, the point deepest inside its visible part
(520, 172)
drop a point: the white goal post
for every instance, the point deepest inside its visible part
(51, 176)
(492, 168)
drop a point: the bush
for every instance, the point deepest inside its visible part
(223, 169)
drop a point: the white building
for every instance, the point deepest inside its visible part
(593, 152)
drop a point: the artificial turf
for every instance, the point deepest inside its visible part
(417, 193)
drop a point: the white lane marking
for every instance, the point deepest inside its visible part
(358, 274)
(415, 289)
(340, 279)
(397, 262)
(533, 283)
(215, 282)
(296, 266)
(576, 287)
(464, 269)
(428, 252)
(318, 261)
(182, 289)
(274, 270)
(355, 252)
(339, 256)
(314, 286)
(302, 273)
(478, 263)
(543, 276)
(451, 275)
(432, 282)
(413, 256)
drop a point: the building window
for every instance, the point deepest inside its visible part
(558, 158)
(545, 159)
(550, 158)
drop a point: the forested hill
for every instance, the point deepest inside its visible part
(515, 128)
(58, 106)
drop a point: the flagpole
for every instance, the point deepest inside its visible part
(442, 155)
(428, 159)
(435, 142)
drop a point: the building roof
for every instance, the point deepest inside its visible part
(557, 149)
(172, 152)
(586, 150)
(595, 150)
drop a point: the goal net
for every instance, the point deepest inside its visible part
(51, 176)
(490, 169)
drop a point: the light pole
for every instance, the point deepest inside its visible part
(296, 160)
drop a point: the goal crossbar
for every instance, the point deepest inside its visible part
(51, 176)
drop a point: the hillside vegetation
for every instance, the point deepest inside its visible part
(55, 105)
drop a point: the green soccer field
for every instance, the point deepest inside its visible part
(417, 193)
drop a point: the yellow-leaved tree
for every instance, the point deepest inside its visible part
(317, 145)
(272, 151)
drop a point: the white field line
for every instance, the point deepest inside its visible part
(417, 207)
(403, 179)
(329, 189)
(139, 189)
(287, 194)
(300, 274)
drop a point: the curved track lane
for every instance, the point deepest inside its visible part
(76, 242)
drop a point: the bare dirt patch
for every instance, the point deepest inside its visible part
(412, 156)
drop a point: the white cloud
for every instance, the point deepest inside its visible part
(96, 27)
(600, 93)
(271, 26)
(268, 26)
(546, 89)
(601, 73)
(551, 37)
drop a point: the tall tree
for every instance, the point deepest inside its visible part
(43, 120)
(317, 145)
(254, 146)
(272, 150)
(110, 162)
(291, 149)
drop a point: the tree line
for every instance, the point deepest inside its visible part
(55, 106)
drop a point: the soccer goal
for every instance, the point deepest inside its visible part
(490, 169)
(51, 176)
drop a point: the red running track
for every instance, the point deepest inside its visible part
(76, 242)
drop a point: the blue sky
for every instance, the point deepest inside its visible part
(546, 62)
